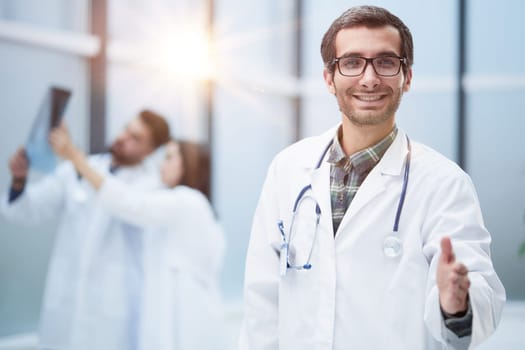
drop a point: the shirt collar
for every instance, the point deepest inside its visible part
(363, 160)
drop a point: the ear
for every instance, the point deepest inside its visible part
(408, 80)
(329, 80)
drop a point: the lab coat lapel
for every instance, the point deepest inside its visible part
(320, 181)
(320, 177)
(373, 186)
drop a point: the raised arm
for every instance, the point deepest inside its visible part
(63, 146)
(131, 205)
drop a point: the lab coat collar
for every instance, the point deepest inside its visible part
(315, 150)
(392, 162)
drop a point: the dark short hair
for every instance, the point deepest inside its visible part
(370, 17)
(159, 127)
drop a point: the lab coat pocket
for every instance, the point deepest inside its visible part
(403, 301)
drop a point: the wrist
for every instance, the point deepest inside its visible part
(457, 314)
(18, 182)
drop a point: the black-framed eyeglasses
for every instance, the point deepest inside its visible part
(384, 66)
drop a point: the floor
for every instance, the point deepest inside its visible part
(510, 334)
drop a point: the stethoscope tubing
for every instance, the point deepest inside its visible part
(404, 188)
(300, 196)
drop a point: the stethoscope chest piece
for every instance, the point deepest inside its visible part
(392, 246)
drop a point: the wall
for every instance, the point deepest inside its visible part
(495, 151)
(27, 71)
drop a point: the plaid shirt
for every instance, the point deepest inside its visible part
(348, 173)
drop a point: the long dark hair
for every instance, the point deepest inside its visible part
(196, 161)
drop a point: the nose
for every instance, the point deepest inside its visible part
(369, 78)
(123, 136)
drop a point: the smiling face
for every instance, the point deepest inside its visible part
(368, 99)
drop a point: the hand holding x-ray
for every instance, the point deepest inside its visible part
(18, 164)
(61, 142)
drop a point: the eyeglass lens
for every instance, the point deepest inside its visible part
(383, 65)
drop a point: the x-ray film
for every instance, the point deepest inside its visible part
(38, 150)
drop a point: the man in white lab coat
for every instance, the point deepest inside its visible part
(362, 238)
(93, 288)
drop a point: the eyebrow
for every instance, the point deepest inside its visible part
(380, 54)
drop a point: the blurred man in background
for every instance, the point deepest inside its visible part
(92, 296)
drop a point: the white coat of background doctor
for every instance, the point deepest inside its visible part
(183, 249)
(344, 290)
(93, 286)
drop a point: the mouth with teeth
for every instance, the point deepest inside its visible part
(369, 98)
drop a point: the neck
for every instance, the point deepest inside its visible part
(356, 138)
(115, 163)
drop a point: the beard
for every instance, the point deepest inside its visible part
(368, 117)
(120, 157)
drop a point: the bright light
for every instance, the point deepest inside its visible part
(172, 47)
(184, 54)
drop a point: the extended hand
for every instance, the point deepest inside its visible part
(452, 280)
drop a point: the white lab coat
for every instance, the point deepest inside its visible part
(354, 297)
(94, 275)
(183, 255)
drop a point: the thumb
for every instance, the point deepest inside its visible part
(447, 255)
(63, 125)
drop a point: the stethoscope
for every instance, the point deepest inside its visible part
(392, 245)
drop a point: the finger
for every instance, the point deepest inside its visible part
(52, 136)
(20, 161)
(18, 154)
(462, 298)
(21, 152)
(62, 127)
(447, 255)
(457, 294)
(464, 284)
(460, 269)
